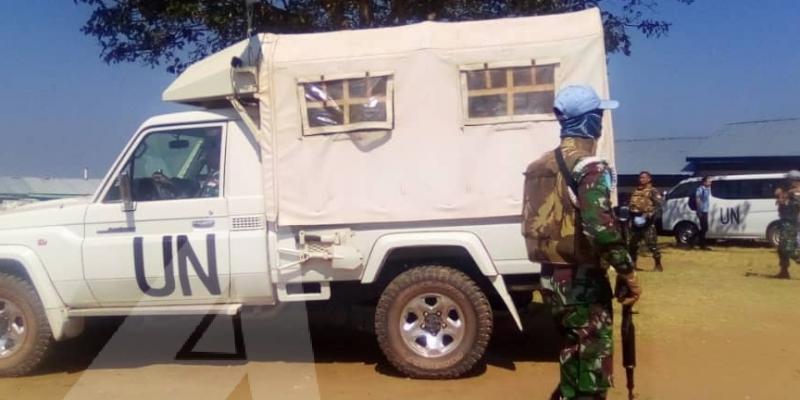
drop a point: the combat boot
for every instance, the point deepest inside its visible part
(784, 274)
(658, 267)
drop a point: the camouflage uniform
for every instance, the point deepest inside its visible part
(645, 201)
(571, 240)
(788, 211)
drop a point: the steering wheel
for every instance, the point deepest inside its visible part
(164, 186)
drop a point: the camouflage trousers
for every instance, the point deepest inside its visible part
(650, 237)
(787, 243)
(580, 300)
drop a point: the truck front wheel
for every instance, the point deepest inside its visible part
(685, 233)
(25, 335)
(433, 322)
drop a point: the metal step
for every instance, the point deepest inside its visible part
(222, 309)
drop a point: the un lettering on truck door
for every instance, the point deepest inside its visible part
(186, 256)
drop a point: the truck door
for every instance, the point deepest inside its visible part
(174, 247)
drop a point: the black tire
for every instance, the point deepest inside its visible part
(471, 308)
(685, 233)
(28, 355)
(773, 234)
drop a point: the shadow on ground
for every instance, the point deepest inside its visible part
(331, 342)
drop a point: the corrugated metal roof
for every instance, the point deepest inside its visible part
(769, 138)
(31, 187)
(661, 156)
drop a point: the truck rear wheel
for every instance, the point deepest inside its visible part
(433, 322)
(25, 335)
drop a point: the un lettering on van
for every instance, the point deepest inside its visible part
(731, 216)
(186, 256)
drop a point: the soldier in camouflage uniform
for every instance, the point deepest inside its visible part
(788, 202)
(569, 227)
(645, 206)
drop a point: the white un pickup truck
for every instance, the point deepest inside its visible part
(388, 161)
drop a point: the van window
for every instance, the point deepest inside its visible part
(683, 190)
(343, 105)
(745, 189)
(508, 94)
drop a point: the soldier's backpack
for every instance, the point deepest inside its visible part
(693, 200)
(549, 215)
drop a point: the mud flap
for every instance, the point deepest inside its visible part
(500, 286)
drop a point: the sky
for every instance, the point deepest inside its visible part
(63, 109)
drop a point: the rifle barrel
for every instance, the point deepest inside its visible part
(628, 347)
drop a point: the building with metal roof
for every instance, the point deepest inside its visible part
(749, 147)
(660, 156)
(36, 189)
(664, 158)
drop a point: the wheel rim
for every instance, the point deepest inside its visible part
(686, 234)
(13, 329)
(432, 325)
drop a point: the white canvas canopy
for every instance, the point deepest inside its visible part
(428, 158)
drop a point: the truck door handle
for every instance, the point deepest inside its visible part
(203, 223)
(121, 229)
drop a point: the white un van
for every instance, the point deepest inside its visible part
(742, 207)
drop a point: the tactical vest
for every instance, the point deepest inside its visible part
(790, 209)
(551, 221)
(642, 200)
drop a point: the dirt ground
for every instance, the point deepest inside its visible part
(712, 326)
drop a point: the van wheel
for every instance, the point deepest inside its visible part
(773, 234)
(433, 322)
(25, 336)
(685, 233)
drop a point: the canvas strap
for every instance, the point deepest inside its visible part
(572, 184)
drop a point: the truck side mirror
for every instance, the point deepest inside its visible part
(124, 181)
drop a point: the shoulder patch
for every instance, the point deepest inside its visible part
(595, 164)
(585, 162)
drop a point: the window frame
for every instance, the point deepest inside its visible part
(129, 151)
(690, 187)
(509, 90)
(387, 125)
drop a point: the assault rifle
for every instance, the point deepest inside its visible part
(628, 333)
(623, 215)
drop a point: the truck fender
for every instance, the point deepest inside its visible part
(61, 326)
(470, 242)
